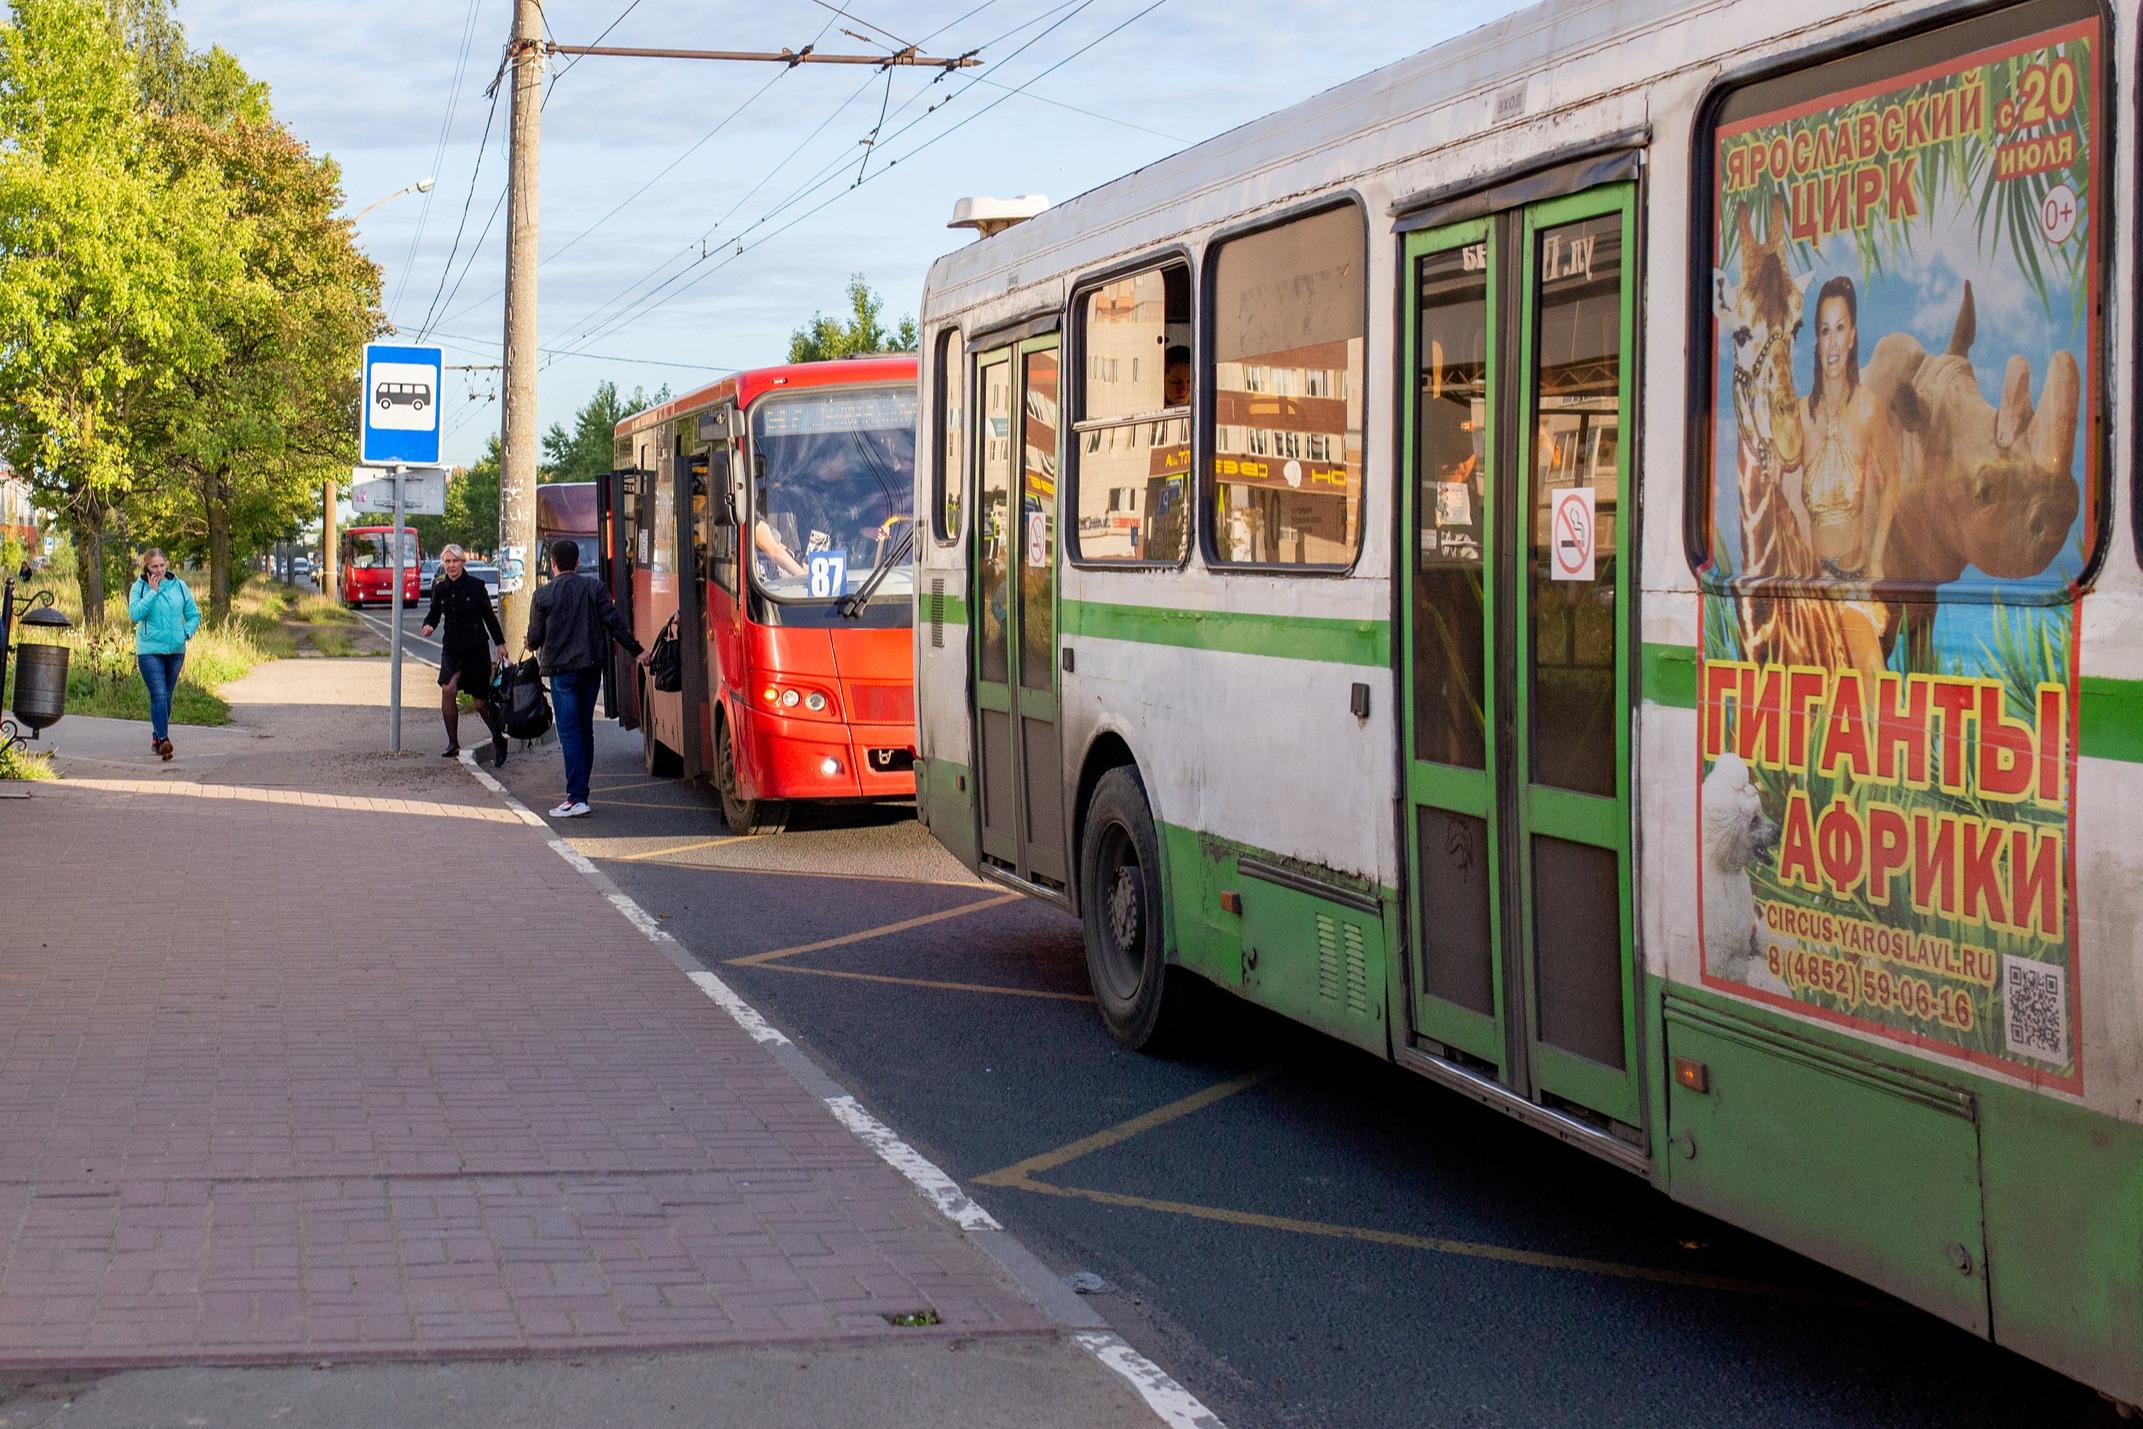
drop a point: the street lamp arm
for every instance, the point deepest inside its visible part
(421, 186)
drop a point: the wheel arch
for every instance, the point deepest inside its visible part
(1109, 749)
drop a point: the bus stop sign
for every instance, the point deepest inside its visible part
(400, 425)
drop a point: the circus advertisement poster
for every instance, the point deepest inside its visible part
(1906, 306)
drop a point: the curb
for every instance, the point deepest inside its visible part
(1171, 1403)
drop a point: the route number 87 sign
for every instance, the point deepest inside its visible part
(828, 574)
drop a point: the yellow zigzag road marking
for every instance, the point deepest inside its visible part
(760, 959)
(1021, 1177)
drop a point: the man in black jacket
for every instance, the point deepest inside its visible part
(571, 623)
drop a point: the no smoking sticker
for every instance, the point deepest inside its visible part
(1572, 535)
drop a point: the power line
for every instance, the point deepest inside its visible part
(489, 344)
(469, 262)
(587, 322)
(984, 79)
(481, 145)
(574, 62)
(645, 303)
(446, 125)
(742, 248)
(659, 174)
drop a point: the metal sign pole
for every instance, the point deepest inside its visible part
(394, 660)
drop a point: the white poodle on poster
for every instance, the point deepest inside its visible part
(1737, 835)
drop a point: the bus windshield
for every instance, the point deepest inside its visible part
(369, 551)
(833, 483)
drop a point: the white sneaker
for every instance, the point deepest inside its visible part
(564, 809)
(571, 811)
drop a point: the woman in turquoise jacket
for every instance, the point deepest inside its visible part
(165, 618)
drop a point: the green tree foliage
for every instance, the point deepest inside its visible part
(179, 306)
(104, 261)
(244, 447)
(824, 338)
(585, 452)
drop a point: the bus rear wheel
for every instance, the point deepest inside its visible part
(744, 816)
(1141, 997)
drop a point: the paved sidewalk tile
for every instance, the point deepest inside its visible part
(354, 1066)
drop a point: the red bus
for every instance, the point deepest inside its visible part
(772, 515)
(368, 566)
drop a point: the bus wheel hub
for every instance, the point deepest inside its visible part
(1123, 907)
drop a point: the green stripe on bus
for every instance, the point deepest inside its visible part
(1670, 675)
(2109, 719)
(1285, 637)
(954, 608)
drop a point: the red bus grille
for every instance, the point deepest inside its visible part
(881, 704)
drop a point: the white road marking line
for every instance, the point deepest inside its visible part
(747, 1016)
(1176, 1406)
(937, 1187)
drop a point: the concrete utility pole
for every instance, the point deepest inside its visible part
(330, 550)
(517, 436)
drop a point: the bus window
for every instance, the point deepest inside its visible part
(368, 550)
(1037, 506)
(716, 540)
(950, 433)
(1289, 314)
(994, 433)
(833, 489)
(1576, 417)
(662, 565)
(1451, 432)
(1132, 447)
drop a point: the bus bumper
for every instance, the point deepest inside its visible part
(820, 759)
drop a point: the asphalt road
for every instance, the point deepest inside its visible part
(1299, 1233)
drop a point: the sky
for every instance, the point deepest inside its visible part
(646, 160)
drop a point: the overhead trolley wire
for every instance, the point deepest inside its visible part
(592, 330)
(488, 345)
(659, 174)
(743, 248)
(574, 61)
(983, 79)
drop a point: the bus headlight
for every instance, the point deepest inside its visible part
(790, 699)
(814, 702)
(829, 766)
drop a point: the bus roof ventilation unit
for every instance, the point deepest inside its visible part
(988, 216)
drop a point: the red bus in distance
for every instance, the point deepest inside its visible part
(368, 566)
(770, 514)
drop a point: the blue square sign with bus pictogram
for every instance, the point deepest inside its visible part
(400, 425)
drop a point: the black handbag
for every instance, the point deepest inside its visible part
(666, 662)
(525, 709)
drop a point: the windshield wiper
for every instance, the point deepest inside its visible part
(852, 606)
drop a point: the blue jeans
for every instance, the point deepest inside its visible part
(573, 697)
(161, 674)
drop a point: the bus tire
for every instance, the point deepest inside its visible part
(743, 816)
(1140, 996)
(658, 759)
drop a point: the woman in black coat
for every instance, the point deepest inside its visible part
(472, 634)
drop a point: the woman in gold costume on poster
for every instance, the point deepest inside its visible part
(1846, 491)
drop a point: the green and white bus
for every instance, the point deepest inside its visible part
(1595, 562)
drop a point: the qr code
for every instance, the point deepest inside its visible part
(2035, 1005)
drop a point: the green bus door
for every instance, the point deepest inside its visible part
(1515, 582)
(1019, 754)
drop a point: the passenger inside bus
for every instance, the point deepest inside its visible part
(1176, 378)
(836, 492)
